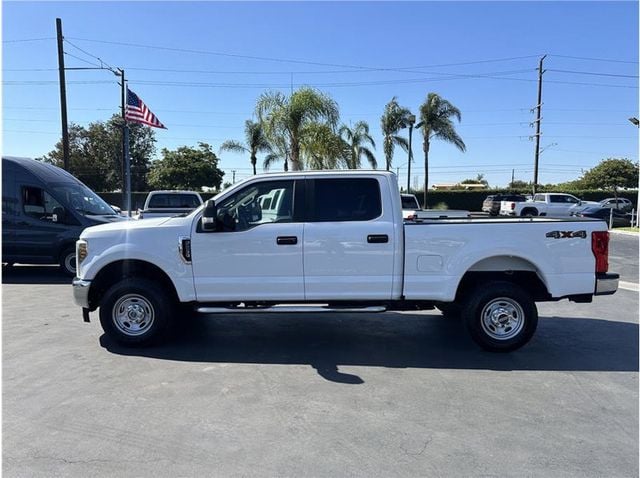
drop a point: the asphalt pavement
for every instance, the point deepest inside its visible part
(393, 394)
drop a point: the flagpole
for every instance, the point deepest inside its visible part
(126, 162)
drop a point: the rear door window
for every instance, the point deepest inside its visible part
(345, 199)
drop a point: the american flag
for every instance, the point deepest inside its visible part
(138, 112)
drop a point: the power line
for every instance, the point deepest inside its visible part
(102, 62)
(595, 59)
(81, 59)
(592, 73)
(285, 60)
(23, 40)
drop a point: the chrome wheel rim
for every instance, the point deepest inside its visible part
(133, 315)
(70, 262)
(502, 318)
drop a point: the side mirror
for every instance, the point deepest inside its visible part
(210, 216)
(116, 209)
(58, 215)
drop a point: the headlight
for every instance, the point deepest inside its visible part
(82, 251)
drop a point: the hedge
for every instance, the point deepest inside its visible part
(467, 200)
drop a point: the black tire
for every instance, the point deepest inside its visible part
(450, 310)
(67, 261)
(136, 312)
(500, 316)
(529, 211)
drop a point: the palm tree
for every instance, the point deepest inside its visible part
(435, 122)
(256, 142)
(357, 138)
(279, 151)
(283, 116)
(322, 148)
(393, 119)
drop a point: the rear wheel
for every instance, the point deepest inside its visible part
(67, 261)
(500, 316)
(529, 211)
(136, 312)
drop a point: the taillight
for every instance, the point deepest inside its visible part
(412, 217)
(513, 206)
(600, 248)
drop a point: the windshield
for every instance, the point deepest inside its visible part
(83, 200)
(409, 202)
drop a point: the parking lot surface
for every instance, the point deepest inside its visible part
(394, 394)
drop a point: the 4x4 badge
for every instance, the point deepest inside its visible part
(567, 234)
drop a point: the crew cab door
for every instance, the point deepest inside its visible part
(254, 256)
(349, 240)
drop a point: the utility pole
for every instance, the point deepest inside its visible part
(126, 165)
(537, 121)
(63, 96)
(233, 172)
(512, 174)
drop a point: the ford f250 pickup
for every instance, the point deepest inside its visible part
(335, 242)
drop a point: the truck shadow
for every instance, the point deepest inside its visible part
(28, 274)
(393, 340)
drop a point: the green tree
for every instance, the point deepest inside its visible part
(612, 174)
(519, 184)
(95, 154)
(255, 142)
(393, 119)
(186, 168)
(279, 152)
(357, 140)
(286, 117)
(435, 123)
(322, 148)
(478, 180)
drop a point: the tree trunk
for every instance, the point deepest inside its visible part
(295, 155)
(425, 147)
(254, 160)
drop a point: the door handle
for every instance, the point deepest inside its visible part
(286, 240)
(377, 238)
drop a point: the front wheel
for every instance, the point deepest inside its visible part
(500, 316)
(67, 261)
(136, 312)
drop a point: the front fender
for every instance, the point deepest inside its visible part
(179, 272)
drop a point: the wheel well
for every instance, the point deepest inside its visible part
(529, 209)
(116, 271)
(526, 279)
(63, 246)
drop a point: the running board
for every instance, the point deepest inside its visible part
(287, 309)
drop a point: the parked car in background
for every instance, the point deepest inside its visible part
(44, 210)
(617, 217)
(549, 204)
(169, 203)
(620, 203)
(492, 204)
(411, 210)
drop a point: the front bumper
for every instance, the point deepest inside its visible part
(606, 283)
(81, 292)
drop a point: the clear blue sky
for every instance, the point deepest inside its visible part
(208, 96)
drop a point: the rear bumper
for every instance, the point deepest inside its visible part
(81, 292)
(606, 283)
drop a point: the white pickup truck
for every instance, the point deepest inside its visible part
(169, 203)
(411, 210)
(335, 243)
(545, 204)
